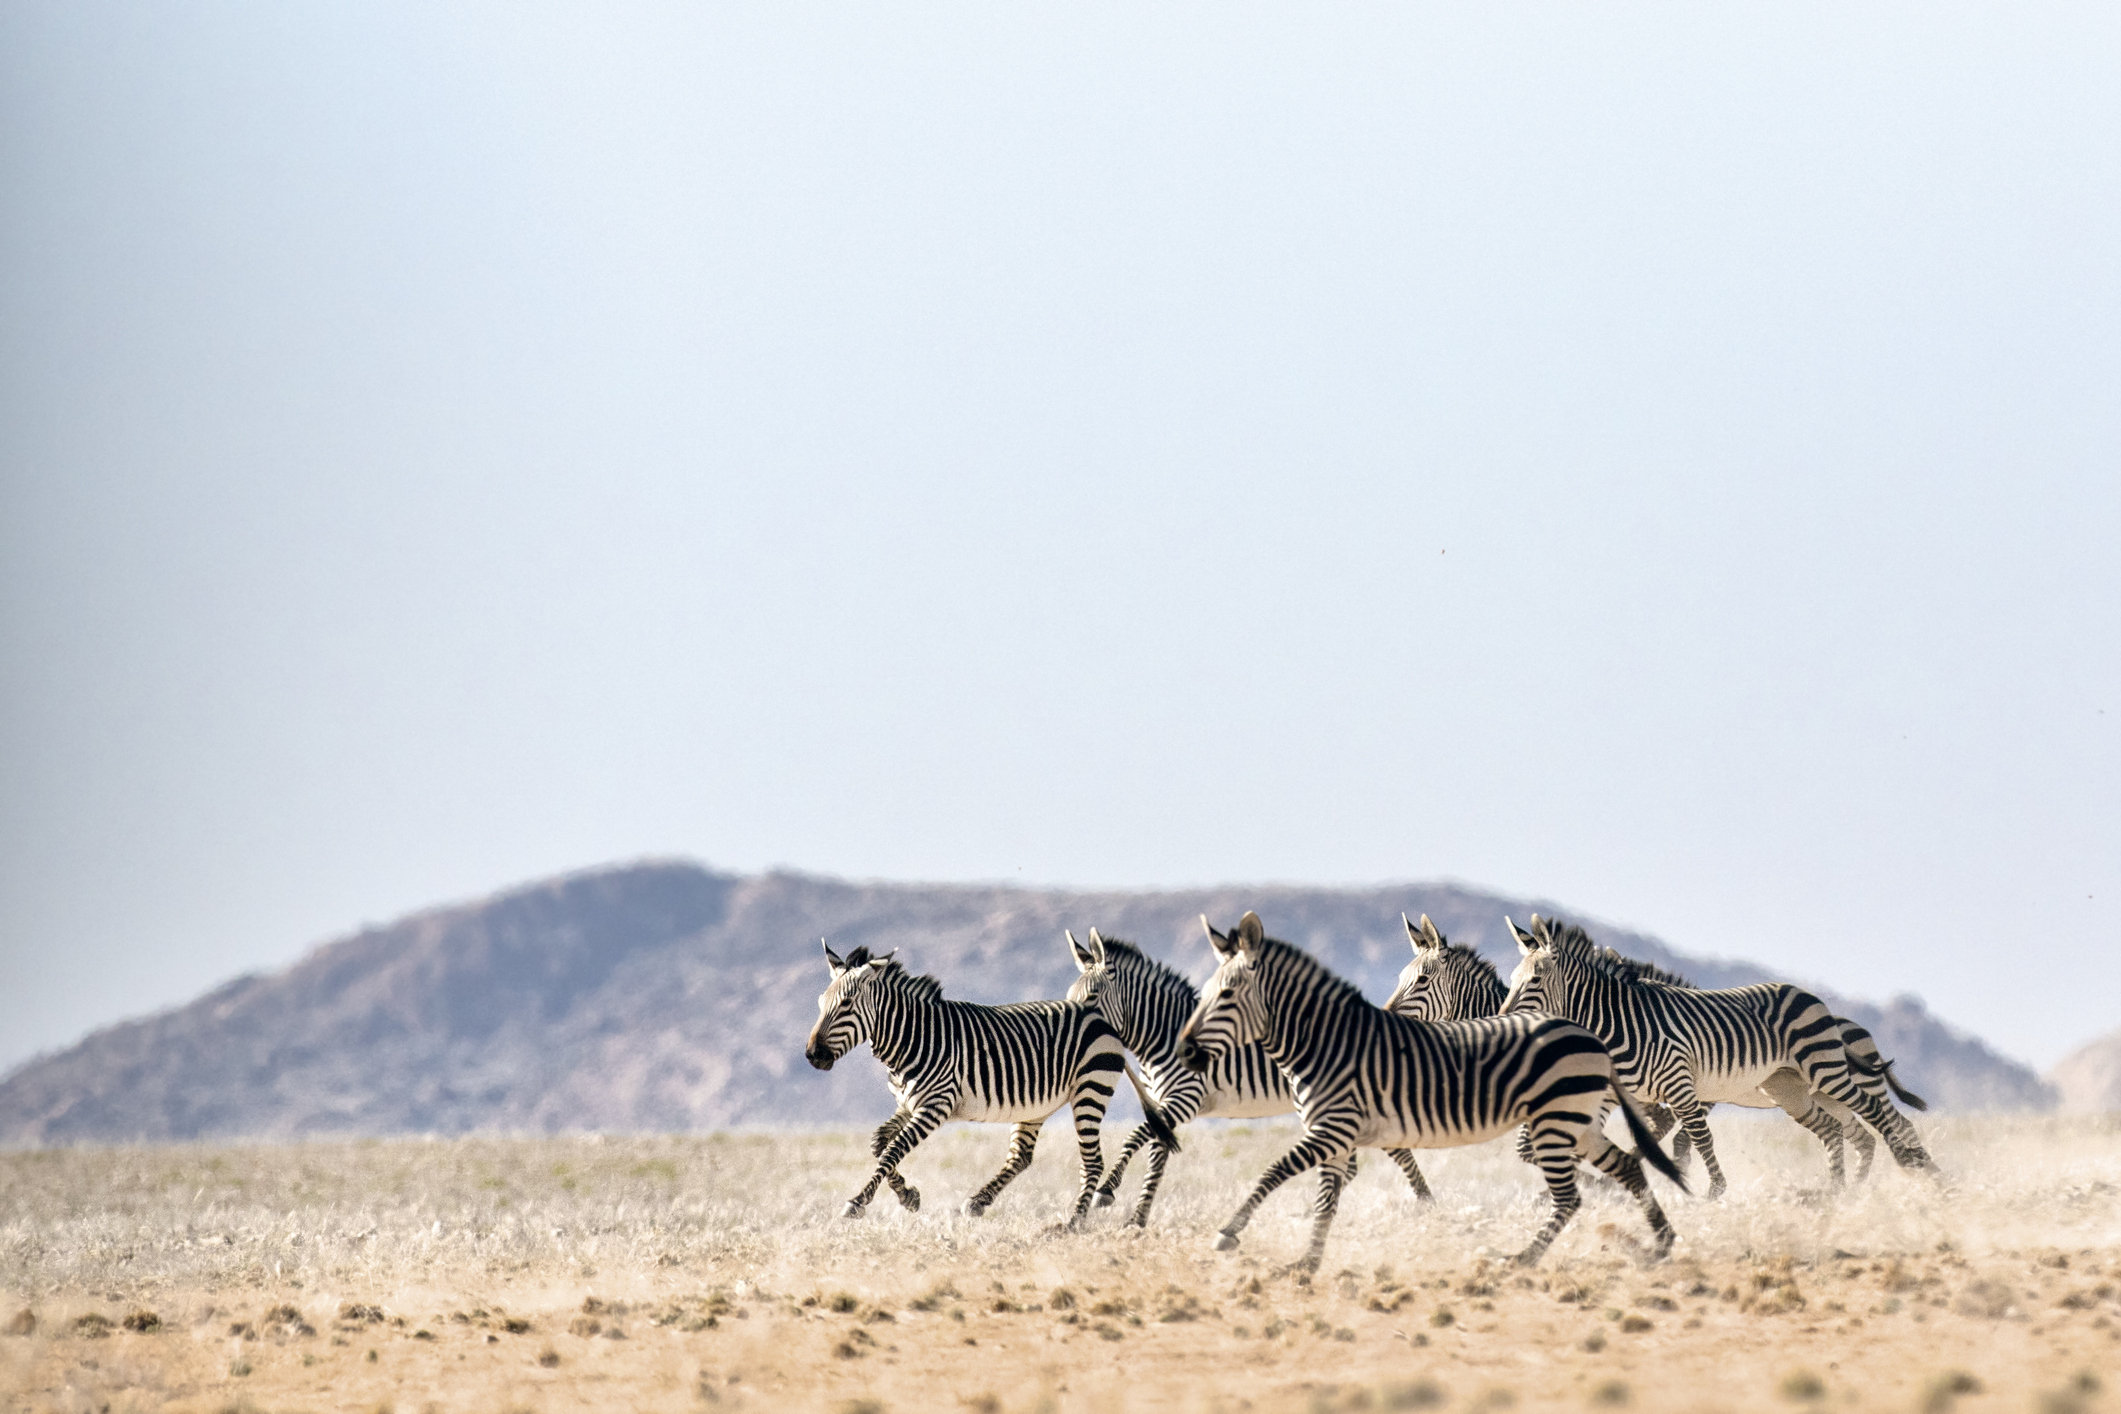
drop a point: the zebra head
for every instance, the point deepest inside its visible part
(1424, 982)
(1098, 983)
(1232, 1013)
(842, 1019)
(1537, 983)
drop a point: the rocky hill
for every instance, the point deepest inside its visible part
(666, 996)
(2088, 1079)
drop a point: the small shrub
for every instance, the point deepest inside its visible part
(585, 1326)
(1635, 1325)
(1414, 1394)
(842, 1302)
(1938, 1394)
(1612, 1394)
(24, 1322)
(548, 1357)
(516, 1325)
(93, 1326)
(1802, 1385)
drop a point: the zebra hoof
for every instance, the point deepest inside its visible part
(909, 1198)
(974, 1208)
(852, 1210)
(1104, 1198)
(1225, 1241)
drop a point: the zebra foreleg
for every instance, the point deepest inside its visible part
(1158, 1157)
(1405, 1159)
(1108, 1191)
(1854, 1130)
(908, 1196)
(1694, 1120)
(1022, 1141)
(1331, 1179)
(1309, 1152)
(916, 1126)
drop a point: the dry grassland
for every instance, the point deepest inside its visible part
(713, 1273)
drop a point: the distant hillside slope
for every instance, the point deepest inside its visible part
(665, 996)
(2088, 1079)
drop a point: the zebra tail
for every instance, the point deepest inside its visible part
(1158, 1124)
(1651, 1151)
(1907, 1096)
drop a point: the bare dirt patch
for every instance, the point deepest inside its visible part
(697, 1273)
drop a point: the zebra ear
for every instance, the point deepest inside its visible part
(1250, 932)
(1083, 960)
(832, 959)
(1223, 943)
(1414, 933)
(1097, 946)
(857, 958)
(1526, 943)
(880, 961)
(1432, 939)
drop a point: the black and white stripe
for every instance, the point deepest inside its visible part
(957, 1060)
(1147, 1002)
(1366, 1078)
(1690, 1048)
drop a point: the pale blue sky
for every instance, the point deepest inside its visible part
(1661, 459)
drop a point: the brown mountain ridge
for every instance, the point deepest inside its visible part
(667, 996)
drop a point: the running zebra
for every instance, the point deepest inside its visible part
(957, 1060)
(1445, 982)
(1867, 1069)
(1687, 1048)
(1146, 1002)
(1364, 1077)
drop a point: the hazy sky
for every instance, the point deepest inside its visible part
(1665, 460)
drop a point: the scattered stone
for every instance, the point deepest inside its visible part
(24, 1322)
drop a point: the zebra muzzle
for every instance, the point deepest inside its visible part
(819, 1057)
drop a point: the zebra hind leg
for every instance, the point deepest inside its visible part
(1553, 1148)
(1626, 1168)
(1022, 1141)
(1405, 1159)
(1788, 1089)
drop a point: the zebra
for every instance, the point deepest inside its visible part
(1363, 1076)
(1146, 1002)
(1868, 1069)
(1445, 981)
(1686, 1048)
(957, 1060)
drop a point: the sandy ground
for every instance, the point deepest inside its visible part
(684, 1274)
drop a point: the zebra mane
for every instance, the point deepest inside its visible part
(1572, 939)
(1161, 974)
(922, 988)
(1471, 958)
(1642, 971)
(1302, 961)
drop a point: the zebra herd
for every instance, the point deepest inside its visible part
(1456, 1056)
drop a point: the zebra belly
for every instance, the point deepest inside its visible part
(980, 1108)
(1230, 1105)
(1391, 1132)
(1738, 1087)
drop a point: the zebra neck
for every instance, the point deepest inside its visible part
(1320, 1016)
(898, 1029)
(1156, 1013)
